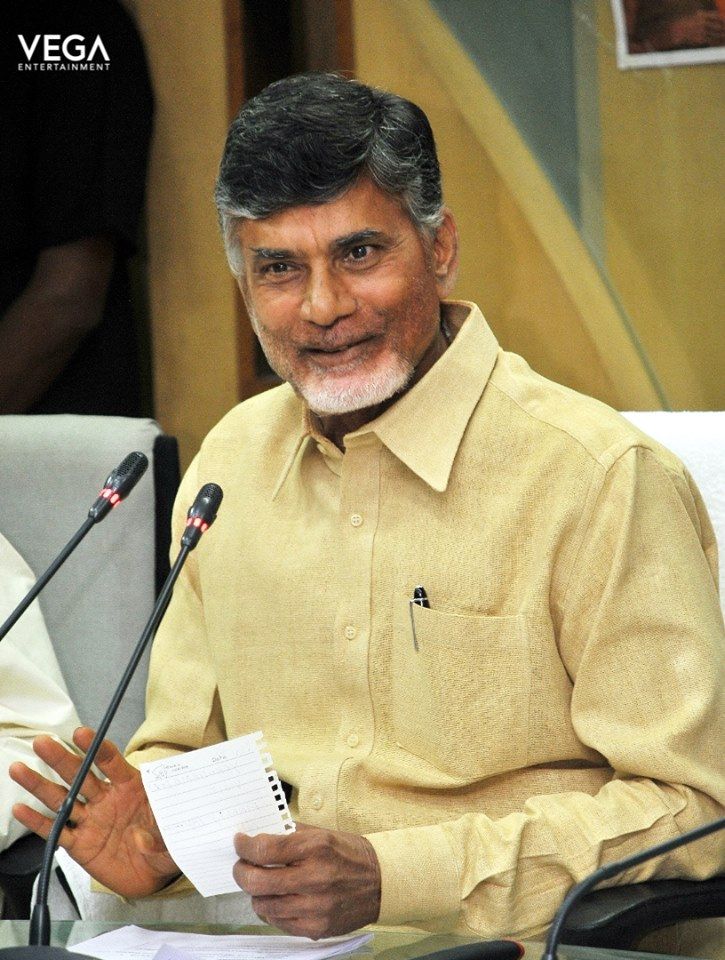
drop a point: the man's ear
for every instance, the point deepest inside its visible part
(445, 254)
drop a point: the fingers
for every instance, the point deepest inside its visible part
(34, 821)
(109, 759)
(268, 848)
(296, 914)
(303, 916)
(65, 764)
(49, 793)
(42, 825)
(152, 847)
(266, 881)
(316, 883)
(268, 872)
(279, 910)
(259, 868)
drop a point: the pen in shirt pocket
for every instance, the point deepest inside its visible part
(419, 599)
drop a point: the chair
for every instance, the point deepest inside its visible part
(619, 917)
(51, 470)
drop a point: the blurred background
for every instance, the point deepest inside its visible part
(588, 197)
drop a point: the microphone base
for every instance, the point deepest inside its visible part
(40, 953)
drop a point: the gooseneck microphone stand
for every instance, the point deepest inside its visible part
(611, 870)
(199, 518)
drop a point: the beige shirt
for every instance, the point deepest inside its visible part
(33, 696)
(563, 706)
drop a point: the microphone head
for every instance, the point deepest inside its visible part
(202, 513)
(127, 474)
(119, 483)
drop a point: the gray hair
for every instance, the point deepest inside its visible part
(307, 139)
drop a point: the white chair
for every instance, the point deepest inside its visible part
(698, 439)
(51, 470)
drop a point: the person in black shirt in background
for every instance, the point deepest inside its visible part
(73, 154)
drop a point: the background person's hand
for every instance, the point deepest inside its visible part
(114, 834)
(322, 882)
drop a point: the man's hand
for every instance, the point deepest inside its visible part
(113, 834)
(311, 883)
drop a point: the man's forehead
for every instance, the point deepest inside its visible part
(362, 214)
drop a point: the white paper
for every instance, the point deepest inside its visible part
(136, 943)
(169, 953)
(202, 798)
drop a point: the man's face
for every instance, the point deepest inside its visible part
(344, 296)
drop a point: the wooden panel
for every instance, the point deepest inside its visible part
(191, 293)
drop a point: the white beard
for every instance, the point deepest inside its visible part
(325, 396)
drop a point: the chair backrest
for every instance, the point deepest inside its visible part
(51, 470)
(698, 439)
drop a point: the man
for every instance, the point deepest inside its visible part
(554, 706)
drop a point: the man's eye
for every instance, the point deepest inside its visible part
(360, 252)
(276, 269)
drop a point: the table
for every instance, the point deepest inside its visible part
(386, 944)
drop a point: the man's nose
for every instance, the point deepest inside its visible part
(327, 298)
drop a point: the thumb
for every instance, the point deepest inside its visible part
(153, 849)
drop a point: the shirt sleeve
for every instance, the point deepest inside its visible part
(33, 696)
(640, 633)
(183, 711)
(182, 703)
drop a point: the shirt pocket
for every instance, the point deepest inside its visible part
(461, 699)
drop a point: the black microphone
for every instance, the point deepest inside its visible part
(202, 513)
(119, 483)
(480, 950)
(611, 870)
(204, 509)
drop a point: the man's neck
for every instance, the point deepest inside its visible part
(336, 426)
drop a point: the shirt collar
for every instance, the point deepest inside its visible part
(425, 427)
(301, 436)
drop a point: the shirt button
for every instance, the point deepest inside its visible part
(353, 740)
(316, 801)
(350, 632)
(356, 520)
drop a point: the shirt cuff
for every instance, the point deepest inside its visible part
(419, 874)
(181, 885)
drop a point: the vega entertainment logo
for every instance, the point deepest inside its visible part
(63, 53)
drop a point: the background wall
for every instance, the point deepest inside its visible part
(524, 260)
(191, 292)
(588, 198)
(661, 192)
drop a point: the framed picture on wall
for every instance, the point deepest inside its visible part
(661, 33)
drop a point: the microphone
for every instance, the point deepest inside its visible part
(119, 483)
(202, 513)
(611, 870)
(481, 950)
(204, 509)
